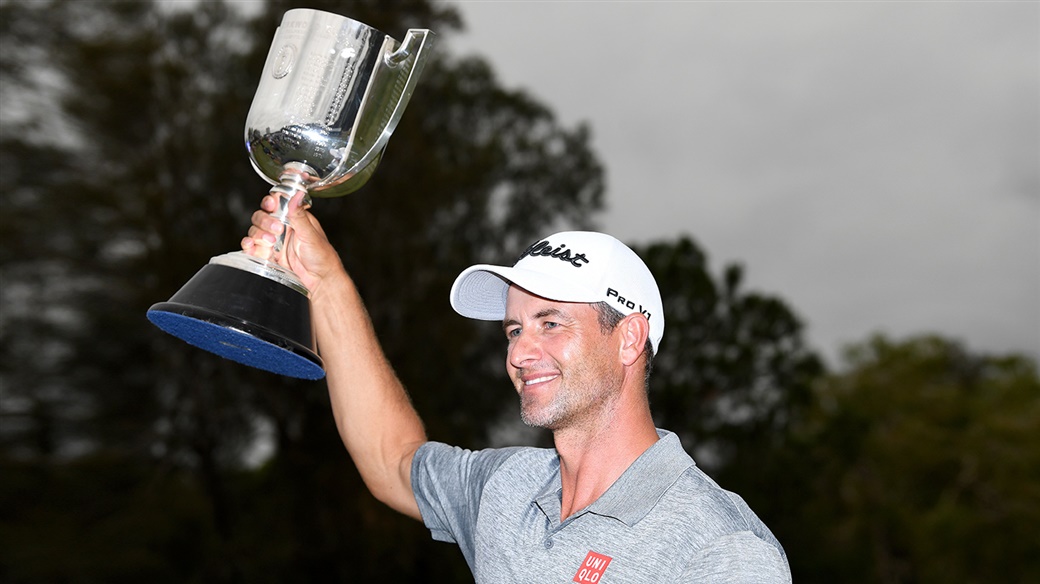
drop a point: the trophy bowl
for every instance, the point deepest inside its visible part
(332, 92)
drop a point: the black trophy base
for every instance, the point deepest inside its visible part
(245, 317)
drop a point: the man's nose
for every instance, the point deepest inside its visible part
(524, 350)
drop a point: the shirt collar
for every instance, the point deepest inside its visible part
(636, 491)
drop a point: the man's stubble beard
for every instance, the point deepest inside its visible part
(581, 391)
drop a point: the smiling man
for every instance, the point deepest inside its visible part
(616, 501)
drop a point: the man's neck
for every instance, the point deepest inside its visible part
(592, 458)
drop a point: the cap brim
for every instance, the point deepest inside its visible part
(480, 291)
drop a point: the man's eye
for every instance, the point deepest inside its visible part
(550, 325)
(512, 333)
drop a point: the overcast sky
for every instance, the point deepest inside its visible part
(874, 164)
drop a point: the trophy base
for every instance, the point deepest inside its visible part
(246, 310)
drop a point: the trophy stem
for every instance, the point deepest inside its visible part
(293, 178)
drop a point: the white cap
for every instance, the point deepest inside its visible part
(572, 266)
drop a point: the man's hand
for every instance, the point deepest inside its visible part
(307, 251)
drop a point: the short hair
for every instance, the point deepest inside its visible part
(609, 317)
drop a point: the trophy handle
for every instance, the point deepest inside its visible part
(416, 43)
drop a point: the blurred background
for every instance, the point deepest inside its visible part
(126, 455)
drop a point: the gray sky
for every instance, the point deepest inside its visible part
(874, 164)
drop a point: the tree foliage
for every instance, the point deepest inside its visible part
(734, 361)
(925, 467)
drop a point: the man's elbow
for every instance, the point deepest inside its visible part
(393, 487)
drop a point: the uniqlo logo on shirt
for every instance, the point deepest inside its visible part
(592, 568)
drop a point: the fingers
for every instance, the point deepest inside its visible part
(299, 204)
(264, 231)
(257, 248)
(274, 204)
(263, 222)
(269, 203)
(266, 228)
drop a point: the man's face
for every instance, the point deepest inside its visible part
(565, 368)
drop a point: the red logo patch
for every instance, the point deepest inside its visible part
(592, 568)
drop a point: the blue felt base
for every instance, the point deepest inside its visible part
(249, 348)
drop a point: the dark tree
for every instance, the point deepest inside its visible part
(734, 362)
(922, 465)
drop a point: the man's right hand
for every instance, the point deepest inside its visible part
(307, 251)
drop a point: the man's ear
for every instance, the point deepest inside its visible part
(634, 329)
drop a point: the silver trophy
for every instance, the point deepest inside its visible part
(331, 94)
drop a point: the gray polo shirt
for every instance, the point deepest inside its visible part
(662, 521)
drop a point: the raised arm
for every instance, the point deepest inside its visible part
(375, 418)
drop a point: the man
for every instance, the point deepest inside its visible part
(617, 500)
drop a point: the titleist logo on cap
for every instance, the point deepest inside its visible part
(544, 248)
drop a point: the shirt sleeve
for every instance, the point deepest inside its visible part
(448, 483)
(739, 558)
